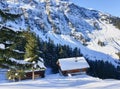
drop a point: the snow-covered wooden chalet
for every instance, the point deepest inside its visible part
(75, 65)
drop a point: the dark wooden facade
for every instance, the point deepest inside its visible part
(73, 71)
(38, 74)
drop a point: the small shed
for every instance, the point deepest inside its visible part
(37, 72)
(75, 65)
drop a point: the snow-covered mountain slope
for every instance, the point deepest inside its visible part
(65, 23)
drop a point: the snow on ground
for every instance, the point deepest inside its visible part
(3, 76)
(55, 81)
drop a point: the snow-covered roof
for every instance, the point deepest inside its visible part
(40, 62)
(73, 63)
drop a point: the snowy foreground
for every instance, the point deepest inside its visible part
(55, 81)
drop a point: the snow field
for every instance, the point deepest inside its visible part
(55, 81)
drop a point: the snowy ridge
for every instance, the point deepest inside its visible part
(65, 23)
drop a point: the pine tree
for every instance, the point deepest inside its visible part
(76, 52)
(31, 47)
(10, 39)
(61, 53)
